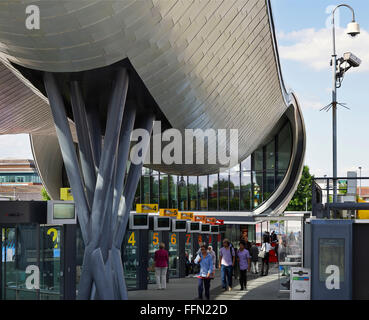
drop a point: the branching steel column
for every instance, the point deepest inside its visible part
(68, 151)
(102, 209)
(80, 119)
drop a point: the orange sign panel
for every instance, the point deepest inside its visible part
(168, 212)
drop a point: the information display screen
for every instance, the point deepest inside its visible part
(180, 225)
(194, 226)
(214, 229)
(331, 252)
(163, 222)
(64, 211)
(205, 227)
(140, 220)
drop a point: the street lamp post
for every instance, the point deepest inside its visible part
(360, 183)
(353, 30)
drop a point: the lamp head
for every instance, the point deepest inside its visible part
(353, 29)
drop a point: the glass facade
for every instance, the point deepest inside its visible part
(242, 188)
(24, 177)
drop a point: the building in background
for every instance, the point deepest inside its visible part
(19, 180)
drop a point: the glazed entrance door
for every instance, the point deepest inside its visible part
(31, 262)
(19, 262)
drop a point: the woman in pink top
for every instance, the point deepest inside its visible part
(161, 266)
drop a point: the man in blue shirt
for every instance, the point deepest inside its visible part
(206, 269)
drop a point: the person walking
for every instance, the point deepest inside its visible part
(254, 258)
(161, 266)
(212, 253)
(243, 257)
(226, 264)
(266, 247)
(206, 270)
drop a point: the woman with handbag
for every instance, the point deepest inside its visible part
(264, 255)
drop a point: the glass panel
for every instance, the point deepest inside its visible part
(246, 164)
(50, 263)
(223, 190)
(130, 259)
(173, 255)
(182, 192)
(246, 191)
(234, 191)
(145, 185)
(203, 192)
(270, 155)
(21, 245)
(284, 147)
(173, 196)
(155, 187)
(258, 188)
(270, 185)
(154, 240)
(213, 192)
(258, 160)
(80, 250)
(192, 190)
(163, 191)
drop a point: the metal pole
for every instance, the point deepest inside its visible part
(360, 183)
(334, 111)
(334, 98)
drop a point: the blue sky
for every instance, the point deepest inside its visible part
(305, 49)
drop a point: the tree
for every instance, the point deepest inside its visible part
(303, 192)
(44, 194)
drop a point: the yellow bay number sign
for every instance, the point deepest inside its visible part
(66, 194)
(185, 215)
(146, 208)
(168, 212)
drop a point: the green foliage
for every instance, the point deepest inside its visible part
(298, 202)
(44, 194)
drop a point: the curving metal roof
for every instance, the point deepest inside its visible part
(207, 64)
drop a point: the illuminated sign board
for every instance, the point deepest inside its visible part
(168, 213)
(146, 208)
(185, 215)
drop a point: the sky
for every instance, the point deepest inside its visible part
(305, 48)
(304, 38)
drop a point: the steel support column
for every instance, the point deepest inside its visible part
(102, 209)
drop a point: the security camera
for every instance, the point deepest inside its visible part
(353, 29)
(351, 59)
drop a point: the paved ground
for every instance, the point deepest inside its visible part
(258, 288)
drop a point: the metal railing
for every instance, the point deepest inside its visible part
(347, 203)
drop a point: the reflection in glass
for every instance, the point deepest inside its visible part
(130, 259)
(213, 192)
(192, 191)
(163, 191)
(246, 199)
(234, 190)
(173, 192)
(154, 187)
(223, 190)
(203, 192)
(183, 195)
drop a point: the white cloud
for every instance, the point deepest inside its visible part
(309, 102)
(15, 146)
(314, 47)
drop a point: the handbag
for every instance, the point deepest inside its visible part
(262, 252)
